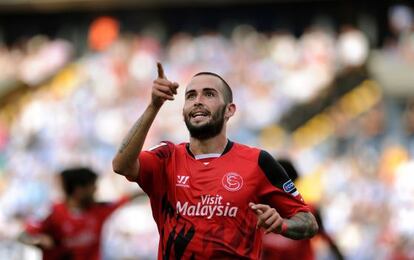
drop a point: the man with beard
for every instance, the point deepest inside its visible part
(211, 198)
(72, 229)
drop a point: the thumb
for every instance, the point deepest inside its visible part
(174, 87)
(255, 209)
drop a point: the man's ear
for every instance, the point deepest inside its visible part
(230, 110)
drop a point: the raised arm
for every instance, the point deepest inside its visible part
(302, 225)
(125, 161)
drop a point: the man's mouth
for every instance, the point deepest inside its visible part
(199, 114)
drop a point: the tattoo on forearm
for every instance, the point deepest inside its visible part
(300, 226)
(130, 135)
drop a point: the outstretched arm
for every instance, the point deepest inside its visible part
(125, 161)
(39, 240)
(300, 226)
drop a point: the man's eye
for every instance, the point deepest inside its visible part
(210, 94)
(190, 96)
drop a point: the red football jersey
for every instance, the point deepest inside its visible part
(202, 209)
(77, 235)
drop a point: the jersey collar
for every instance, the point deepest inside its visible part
(229, 145)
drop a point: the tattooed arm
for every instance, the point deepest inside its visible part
(300, 226)
(125, 161)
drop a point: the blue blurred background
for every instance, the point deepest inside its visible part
(329, 84)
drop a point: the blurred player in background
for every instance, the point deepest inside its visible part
(211, 196)
(72, 230)
(279, 247)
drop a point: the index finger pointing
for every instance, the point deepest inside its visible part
(160, 70)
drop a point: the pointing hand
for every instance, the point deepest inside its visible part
(162, 88)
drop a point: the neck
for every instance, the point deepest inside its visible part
(215, 144)
(74, 204)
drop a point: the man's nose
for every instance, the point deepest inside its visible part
(198, 100)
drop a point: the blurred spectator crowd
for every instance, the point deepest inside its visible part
(361, 177)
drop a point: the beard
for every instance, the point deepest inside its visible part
(208, 130)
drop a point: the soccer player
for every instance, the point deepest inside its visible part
(211, 198)
(277, 247)
(72, 230)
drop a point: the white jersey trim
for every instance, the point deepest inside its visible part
(207, 155)
(156, 146)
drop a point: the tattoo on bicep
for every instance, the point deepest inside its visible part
(302, 225)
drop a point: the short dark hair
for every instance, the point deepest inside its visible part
(77, 177)
(290, 169)
(228, 93)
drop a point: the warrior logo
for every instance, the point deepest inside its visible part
(182, 181)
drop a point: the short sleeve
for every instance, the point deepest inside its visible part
(277, 190)
(152, 167)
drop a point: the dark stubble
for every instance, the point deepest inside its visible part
(209, 130)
